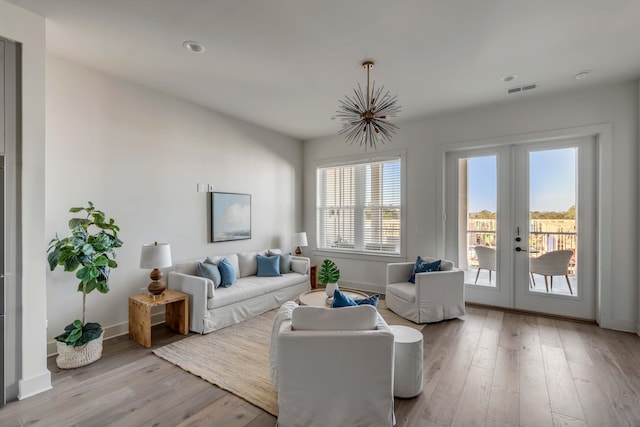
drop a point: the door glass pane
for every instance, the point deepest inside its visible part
(477, 219)
(552, 221)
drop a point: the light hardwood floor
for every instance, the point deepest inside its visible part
(491, 368)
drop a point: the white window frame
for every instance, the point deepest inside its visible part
(357, 253)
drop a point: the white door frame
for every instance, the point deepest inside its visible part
(602, 134)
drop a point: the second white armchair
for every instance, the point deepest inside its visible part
(435, 296)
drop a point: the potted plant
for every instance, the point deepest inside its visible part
(90, 253)
(328, 275)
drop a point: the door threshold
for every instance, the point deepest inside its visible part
(533, 313)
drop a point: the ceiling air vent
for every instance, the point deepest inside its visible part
(523, 88)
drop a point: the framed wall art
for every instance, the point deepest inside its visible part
(230, 217)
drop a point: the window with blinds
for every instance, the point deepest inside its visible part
(358, 207)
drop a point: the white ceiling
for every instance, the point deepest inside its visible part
(285, 64)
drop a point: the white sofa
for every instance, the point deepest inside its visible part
(333, 367)
(213, 308)
(435, 296)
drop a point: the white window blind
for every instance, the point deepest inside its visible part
(358, 207)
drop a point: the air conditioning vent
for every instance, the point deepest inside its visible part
(523, 88)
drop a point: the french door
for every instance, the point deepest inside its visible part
(521, 223)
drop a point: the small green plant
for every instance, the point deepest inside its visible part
(90, 252)
(328, 272)
(76, 334)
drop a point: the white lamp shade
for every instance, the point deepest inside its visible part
(300, 239)
(155, 255)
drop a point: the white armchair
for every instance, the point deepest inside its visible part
(335, 368)
(435, 296)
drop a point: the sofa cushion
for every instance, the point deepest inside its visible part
(252, 286)
(248, 264)
(404, 290)
(359, 318)
(227, 273)
(187, 267)
(446, 265)
(209, 270)
(268, 266)
(298, 266)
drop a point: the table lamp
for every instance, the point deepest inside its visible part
(155, 256)
(299, 239)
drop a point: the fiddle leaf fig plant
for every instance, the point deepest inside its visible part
(328, 272)
(90, 253)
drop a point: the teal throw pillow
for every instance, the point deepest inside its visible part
(268, 266)
(209, 270)
(372, 300)
(422, 266)
(340, 299)
(227, 273)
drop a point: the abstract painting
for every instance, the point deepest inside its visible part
(230, 217)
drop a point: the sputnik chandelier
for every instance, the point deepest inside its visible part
(365, 119)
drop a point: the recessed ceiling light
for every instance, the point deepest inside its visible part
(509, 78)
(195, 47)
(581, 75)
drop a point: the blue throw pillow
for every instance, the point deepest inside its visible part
(340, 299)
(419, 261)
(268, 266)
(210, 271)
(227, 273)
(422, 266)
(372, 300)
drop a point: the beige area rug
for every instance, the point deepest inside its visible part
(236, 358)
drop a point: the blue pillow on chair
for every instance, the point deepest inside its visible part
(372, 300)
(422, 266)
(340, 299)
(268, 266)
(227, 273)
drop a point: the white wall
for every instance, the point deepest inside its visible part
(615, 104)
(29, 29)
(138, 155)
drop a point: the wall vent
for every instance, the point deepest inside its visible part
(523, 88)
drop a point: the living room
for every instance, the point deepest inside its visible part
(138, 154)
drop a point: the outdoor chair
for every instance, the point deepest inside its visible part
(555, 263)
(486, 260)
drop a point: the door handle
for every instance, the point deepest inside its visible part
(519, 249)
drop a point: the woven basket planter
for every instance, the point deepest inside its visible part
(70, 357)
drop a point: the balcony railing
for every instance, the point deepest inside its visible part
(540, 242)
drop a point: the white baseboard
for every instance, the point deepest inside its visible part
(111, 331)
(619, 325)
(28, 387)
(361, 286)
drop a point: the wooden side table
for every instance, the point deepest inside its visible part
(313, 275)
(177, 314)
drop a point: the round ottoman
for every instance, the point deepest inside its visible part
(407, 377)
